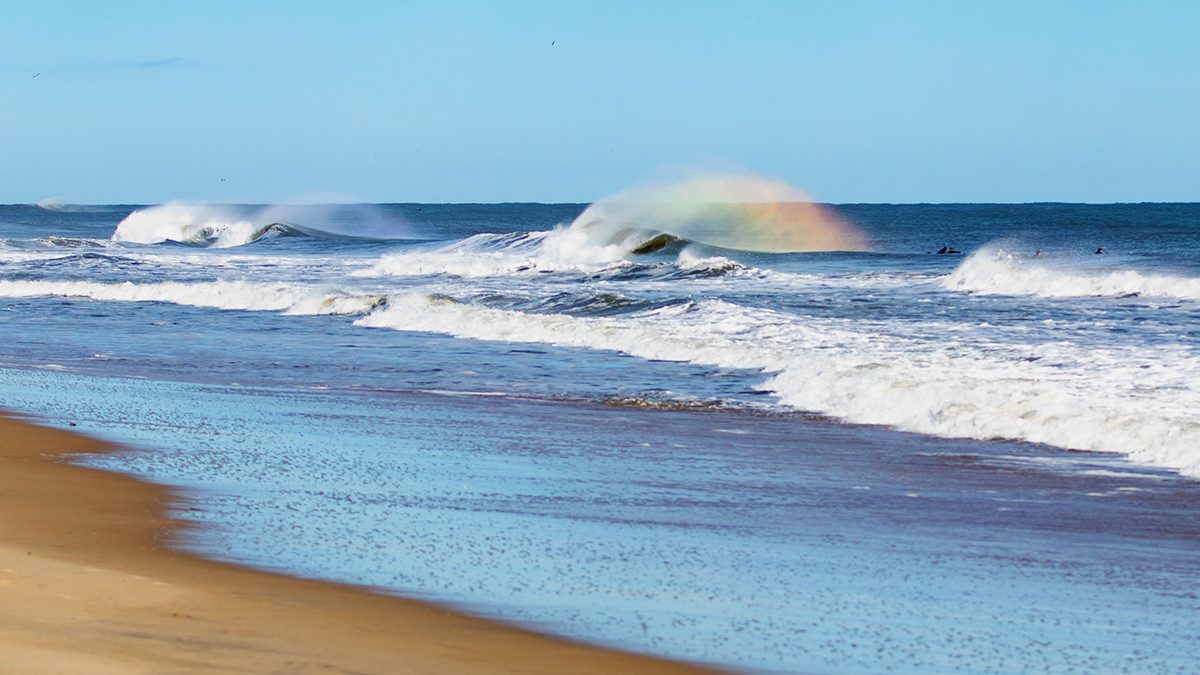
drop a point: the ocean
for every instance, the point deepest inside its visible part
(655, 428)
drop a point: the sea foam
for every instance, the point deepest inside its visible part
(239, 295)
(994, 271)
(1053, 394)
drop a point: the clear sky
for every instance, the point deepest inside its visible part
(120, 101)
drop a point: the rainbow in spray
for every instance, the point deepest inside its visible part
(741, 212)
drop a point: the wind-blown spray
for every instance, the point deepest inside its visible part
(739, 212)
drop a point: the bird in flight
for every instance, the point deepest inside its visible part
(552, 42)
(35, 76)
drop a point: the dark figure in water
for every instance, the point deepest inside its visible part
(943, 250)
(953, 251)
(1099, 251)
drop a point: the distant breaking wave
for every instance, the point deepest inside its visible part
(220, 226)
(62, 206)
(993, 271)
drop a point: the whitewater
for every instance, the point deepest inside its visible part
(979, 346)
(317, 333)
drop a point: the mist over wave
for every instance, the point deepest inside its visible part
(61, 205)
(994, 271)
(226, 226)
(739, 212)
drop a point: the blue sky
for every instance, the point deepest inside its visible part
(407, 101)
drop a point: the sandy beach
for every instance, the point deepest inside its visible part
(88, 584)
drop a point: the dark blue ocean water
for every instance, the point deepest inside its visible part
(825, 460)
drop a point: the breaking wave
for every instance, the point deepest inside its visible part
(480, 255)
(493, 255)
(241, 295)
(226, 226)
(60, 205)
(993, 271)
(1060, 396)
(736, 213)
(193, 224)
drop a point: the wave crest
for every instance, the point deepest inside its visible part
(994, 271)
(217, 226)
(225, 226)
(737, 212)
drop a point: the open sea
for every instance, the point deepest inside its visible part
(882, 459)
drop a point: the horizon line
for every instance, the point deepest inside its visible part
(61, 204)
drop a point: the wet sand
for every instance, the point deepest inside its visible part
(88, 584)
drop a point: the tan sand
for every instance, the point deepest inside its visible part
(87, 585)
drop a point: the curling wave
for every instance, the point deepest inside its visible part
(1056, 396)
(215, 226)
(994, 271)
(735, 213)
(559, 250)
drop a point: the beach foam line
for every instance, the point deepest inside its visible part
(1112, 402)
(243, 295)
(88, 584)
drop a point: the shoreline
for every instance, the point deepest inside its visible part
(89, 584)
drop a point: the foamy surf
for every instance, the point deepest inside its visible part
(995, 271)
(1051, 394)
(233, 295)
(491, 255)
